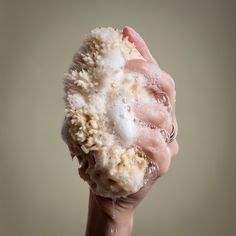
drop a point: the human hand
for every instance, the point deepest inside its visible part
(152, 139)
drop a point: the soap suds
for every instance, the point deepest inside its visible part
(123, 120)
(101, 124)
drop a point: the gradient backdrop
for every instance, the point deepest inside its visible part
(40, 191)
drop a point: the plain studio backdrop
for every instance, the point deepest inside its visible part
(41, 193)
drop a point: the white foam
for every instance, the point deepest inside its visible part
(113, 59)
(98, 102)
(76, 100)
(156, 69)
(124, 120)
(108, 97)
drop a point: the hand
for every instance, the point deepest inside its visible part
(152, 141)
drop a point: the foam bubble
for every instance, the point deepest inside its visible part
(107, 94)
(113, 59)
(76, 100)
(123, 120)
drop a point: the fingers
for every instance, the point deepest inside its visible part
(154, 114)
(157, 79)
(141, 46)
(154, 146)
(168, 86)
(161, 84)
(174, 147)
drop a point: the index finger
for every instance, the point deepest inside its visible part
(140, 44)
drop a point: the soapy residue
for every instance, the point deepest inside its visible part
(101, 122)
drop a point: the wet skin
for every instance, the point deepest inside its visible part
(158, 117)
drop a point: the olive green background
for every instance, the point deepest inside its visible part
(41, 193)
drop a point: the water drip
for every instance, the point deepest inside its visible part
(113, 208)
(113, 228)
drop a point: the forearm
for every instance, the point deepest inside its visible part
(101, 223)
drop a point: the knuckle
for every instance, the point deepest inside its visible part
(138, 65)
(164, 169)
(162, 161)
(174, 149)
(143, 66)
(156, 142)
(170, 81)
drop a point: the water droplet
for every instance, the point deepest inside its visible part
(165, 135)
(145, 181)
(162, 98)
(124, 100)
(113, 230)
(113, 208)
(169, 108)
(151, 173)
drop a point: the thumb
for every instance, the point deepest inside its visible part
(139, 43)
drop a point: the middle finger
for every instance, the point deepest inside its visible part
(157, 80)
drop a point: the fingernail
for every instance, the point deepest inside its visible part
(132, 31)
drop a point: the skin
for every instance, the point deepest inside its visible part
(105, 217)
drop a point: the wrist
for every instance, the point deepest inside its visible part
(106, 217)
